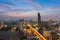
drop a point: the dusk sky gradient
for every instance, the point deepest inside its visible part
(13, 9)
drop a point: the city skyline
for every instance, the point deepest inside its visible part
(49, 9)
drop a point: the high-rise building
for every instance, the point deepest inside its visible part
(39, 19)
(40, 30)
(1, 24)
(50, 24)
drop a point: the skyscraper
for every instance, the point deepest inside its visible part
(39, 19)
(40, 30)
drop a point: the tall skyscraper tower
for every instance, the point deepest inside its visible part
(39, 20)
(40, 30)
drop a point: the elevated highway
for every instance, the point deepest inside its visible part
(33, 31)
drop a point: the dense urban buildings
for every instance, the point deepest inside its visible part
(30, 30)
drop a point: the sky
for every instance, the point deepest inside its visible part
(16, 9)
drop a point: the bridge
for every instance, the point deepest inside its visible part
(33, 31)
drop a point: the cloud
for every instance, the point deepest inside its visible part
(6, 7)
(10, 11)
(22, 13)
(18, 14)
(30, 2)
(14, 5)
(45, 14)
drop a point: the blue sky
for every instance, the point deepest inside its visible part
(49, 9)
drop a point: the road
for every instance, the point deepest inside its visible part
(35, 32)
